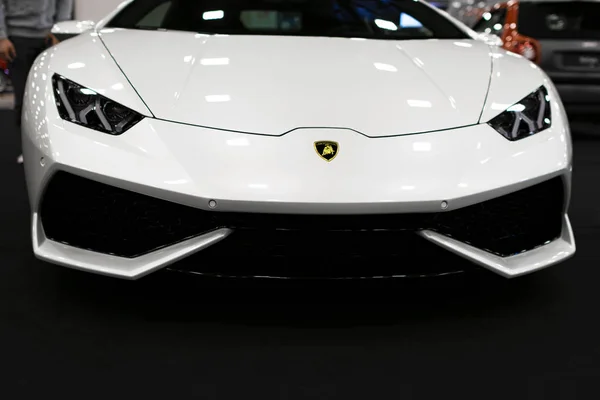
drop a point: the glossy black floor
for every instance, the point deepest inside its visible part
(74, 335)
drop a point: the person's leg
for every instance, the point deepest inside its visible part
(27, 51)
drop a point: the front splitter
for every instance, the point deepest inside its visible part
(135, 268)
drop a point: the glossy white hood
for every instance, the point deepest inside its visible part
(272, 85)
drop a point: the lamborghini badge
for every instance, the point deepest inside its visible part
(327, 150)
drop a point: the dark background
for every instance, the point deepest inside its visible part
(68, 334)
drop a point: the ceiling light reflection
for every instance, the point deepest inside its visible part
(500, 107)
(218, 98)
(419, 103)
(422, 146)
(385, 67)
(258, 186)
(516, 108)
(463, 44)
(212, 15)
(238, 142)
(387, 25)
(214, 61)
(177, 182)
(452, 102)
(76, 65)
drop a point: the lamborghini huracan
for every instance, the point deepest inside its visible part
(208, 134)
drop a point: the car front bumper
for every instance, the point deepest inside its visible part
(227, 172)
(134, 268)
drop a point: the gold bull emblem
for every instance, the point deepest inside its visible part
(327, 150)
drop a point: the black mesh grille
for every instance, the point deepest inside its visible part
(511, 224)
(105, 219)
(92, 216)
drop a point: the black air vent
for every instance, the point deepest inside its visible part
(105, 219)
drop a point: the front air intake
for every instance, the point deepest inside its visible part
(89, 215)
(102, 218)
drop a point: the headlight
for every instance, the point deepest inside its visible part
(85, 107)
(525, 118)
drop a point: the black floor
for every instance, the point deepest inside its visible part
(67, 334)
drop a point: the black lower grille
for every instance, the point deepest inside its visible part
(93, 216)
(511, 224)
(323, 254)
(102, 218)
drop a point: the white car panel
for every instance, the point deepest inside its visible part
(257, 173)
(513, 78)
(72, 27)
(119, 267)
(92, 67)
(510, 267)
(276, 84)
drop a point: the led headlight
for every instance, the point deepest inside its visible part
(85, 107)
(525, 118)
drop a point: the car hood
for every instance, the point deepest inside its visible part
(272, 85)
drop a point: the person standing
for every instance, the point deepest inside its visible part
(25, 27)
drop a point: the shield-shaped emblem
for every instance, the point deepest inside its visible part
(327, 150)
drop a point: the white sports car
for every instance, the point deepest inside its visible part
(215, 131)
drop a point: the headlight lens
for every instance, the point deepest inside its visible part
(525, 118)
(85, 107)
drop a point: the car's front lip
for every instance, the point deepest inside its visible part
(542, 257)
(119, 267)
(135, 268)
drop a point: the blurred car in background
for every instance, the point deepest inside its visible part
(563, 37)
